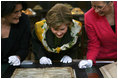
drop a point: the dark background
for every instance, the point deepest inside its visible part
(46, 5)
(84, 5)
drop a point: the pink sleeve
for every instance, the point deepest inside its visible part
(93, 41)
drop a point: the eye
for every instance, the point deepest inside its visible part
(62, 29)
(100, 7)
(17, 11)
(55, 29)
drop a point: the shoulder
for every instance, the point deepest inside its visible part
(77, 27)
(24, 17)
(90, 13)
(77, 22)
(115, 3)
(40, 23)
(91, 16)
(40, 28)
(24, 23)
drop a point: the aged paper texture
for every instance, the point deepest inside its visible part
(109, 71)
(52, 72)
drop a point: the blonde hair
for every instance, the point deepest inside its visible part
(58, 15)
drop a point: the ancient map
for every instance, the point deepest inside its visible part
(52, 72)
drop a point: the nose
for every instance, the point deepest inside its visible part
(59, 33)
(97, 10)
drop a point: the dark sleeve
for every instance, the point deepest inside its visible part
(25, 37)
(74, 52)
(37, 47)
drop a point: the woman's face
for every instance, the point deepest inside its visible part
(14, 17)
(60, 31)
(101, 7)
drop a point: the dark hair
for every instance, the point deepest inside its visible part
(107, 1)
(58, 15)
(7, 7)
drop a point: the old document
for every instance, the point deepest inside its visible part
(52, 72)
(109, 71)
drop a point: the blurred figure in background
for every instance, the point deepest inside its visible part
(15, 33)
(57, 37)
(101, 28)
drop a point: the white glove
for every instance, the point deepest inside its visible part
(66, 59)
(14, 60)
(45, 60)
(85, 64)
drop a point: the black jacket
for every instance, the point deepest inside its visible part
(18, 41)
(39, 50)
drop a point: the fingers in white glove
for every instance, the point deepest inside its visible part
(17, 63)
(14, 60)
(49, 61)
(66, 59)
(82, 64)
(11, 58)
(84, 67)
(62, 59)
(45, 60)
(85, 64)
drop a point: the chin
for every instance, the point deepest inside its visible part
(15, 22)
(59, 36)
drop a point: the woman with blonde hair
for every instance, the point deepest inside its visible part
(56, 37)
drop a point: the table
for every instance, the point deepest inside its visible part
(93, 72)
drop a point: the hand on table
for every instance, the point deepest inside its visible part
(66, 59)
(45, 60)
(85, 64)
(14, 60)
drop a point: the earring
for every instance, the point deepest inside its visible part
(3, 19)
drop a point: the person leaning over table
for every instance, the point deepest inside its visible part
(15, 33)
(101, 28)
(56, 37)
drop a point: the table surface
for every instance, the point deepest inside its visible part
(93, 72)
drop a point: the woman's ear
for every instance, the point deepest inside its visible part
(111, 3)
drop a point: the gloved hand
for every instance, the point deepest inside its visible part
(45, 60)
(14, 60)
(66, 59)
(85, 64)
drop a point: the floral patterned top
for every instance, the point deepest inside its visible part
(41, 29)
